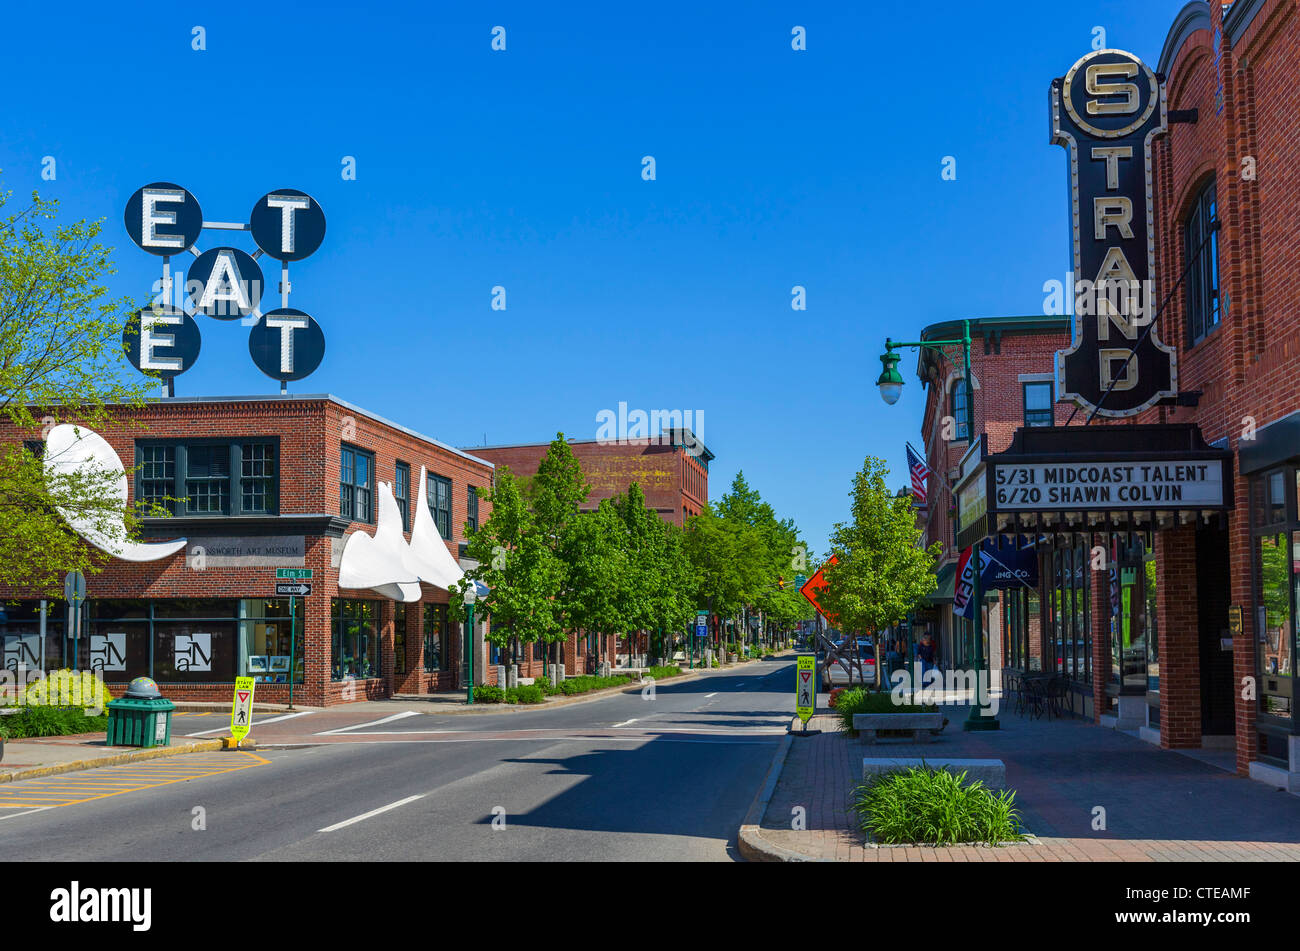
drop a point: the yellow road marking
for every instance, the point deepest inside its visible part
(112, 781)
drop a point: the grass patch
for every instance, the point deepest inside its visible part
(935, 807)
(50, 721)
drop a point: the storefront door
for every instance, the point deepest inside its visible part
(1213, 593)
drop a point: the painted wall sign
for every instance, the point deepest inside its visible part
(225, 283)
(1106, 486)
(1106, 111)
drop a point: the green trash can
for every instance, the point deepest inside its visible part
(142, 717)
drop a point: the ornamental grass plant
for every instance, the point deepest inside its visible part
(928, 806)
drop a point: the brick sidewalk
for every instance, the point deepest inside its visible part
(1159, 805)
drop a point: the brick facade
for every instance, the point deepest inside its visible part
(311, 431)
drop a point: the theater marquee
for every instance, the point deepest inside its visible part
(1106, 111)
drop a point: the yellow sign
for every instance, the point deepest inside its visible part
(241, 712)
(805, 686)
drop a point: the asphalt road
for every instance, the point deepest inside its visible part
(621, 778)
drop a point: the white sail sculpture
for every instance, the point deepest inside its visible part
(386, 564)
(71, 449)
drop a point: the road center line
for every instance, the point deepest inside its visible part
(372, 812)
(362, 726)
(708, 695)
(624, 723)
(226, 729)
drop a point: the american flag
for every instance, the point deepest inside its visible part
(920, 473)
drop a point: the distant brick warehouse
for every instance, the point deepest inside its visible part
(260, 483)
(672, 471)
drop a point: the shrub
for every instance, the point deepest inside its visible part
(545, 685)
(935, 807)
(835, 695)
(528, 693)
(52, 721)
(65, 688)
(851, 700)
(489, 695)
(661, 673)
(587, 682)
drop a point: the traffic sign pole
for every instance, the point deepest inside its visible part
(293, 631)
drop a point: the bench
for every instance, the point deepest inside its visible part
(638, 672)
(921, 724)
(992, 772)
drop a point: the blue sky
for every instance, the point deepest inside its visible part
(522, 168)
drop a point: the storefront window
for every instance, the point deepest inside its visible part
(20, 635)
(1275, 625)
(267, 640)
(1152, 619)
(355, 639)
(435, 636)
(399, 638)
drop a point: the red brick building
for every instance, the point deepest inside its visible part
(1012, 385)
(255, 484)
(1176, 620)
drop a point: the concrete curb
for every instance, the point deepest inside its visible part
(115, 760)
(749, 840)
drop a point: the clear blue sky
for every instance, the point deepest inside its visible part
(523, 169)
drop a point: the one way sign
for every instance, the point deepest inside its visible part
(241, 712)
(805, 686)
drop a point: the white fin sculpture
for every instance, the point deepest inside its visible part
(378, 562)
(70, 449)
(427, 555)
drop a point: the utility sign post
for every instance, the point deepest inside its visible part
(805, 690)
(241, 711)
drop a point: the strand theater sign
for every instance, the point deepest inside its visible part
(1106, 111)
(224, 283)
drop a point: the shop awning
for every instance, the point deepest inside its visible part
(943, 593)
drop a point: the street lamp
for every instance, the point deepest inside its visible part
(891, 388)
(470, 596)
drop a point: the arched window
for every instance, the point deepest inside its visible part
(1201, 247)
(959, 398)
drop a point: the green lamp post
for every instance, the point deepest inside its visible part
(470, 596)
(890, 384)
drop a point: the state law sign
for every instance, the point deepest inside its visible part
(241, 710)
(805, 686)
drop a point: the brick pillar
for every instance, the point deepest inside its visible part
(387, 659)
(1243, 646)
(1180, 658)
(1101, 618)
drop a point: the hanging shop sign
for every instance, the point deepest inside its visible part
(1106, 111)
(224, 283)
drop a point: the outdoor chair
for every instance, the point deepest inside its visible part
(1057, 693)
(1035, 696)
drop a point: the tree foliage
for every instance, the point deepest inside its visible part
(882, 571)
(61, 360)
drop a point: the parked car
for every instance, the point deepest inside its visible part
(834, 674)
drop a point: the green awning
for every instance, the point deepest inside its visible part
(943, 593)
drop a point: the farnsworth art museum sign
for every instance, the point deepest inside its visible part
(224, 283)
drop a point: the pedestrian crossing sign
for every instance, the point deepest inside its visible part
(805, 686)
(241, 711)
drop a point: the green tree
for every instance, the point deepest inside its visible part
(882, 571)
(61, 360)
(595, 556)
(522, 573)
(555, 495)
